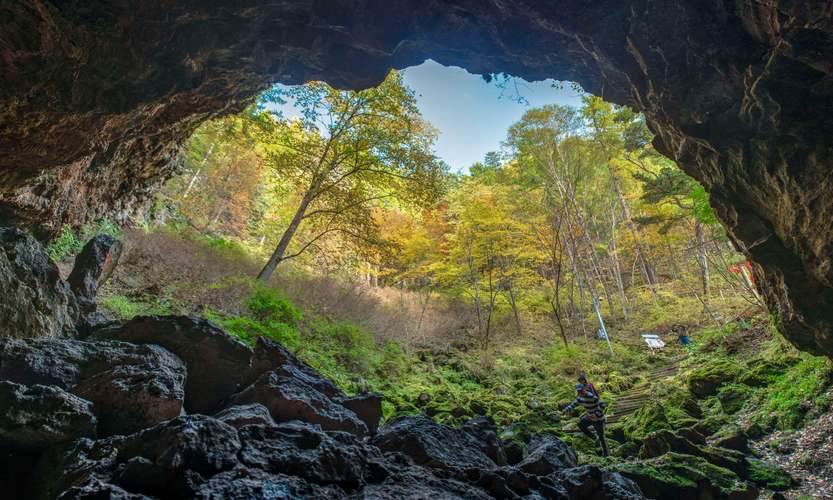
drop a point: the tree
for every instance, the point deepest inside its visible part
(224, 166)
(671, 185)
(349, 151)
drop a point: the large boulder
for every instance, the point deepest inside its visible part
(483, 429)
(304, 450)
(547, 454)
(167, 460)
(272, 356)
(367, 406)
(93, 266)
(129, 398)
(432, 445)
(34, 418)
(589, 481)
(416, 483)
(246, 484)
(290, 398)
(36, 302)
(218, 364)
(131, 386)
(251, 414)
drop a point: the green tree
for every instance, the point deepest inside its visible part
(349, 152)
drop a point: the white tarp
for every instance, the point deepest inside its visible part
(653, 341)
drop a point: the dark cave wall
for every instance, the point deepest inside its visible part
(97, 96)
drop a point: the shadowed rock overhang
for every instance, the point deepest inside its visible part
(97, 96)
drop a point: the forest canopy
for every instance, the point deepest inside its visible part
(575, 209)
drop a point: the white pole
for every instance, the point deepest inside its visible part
(601, 322)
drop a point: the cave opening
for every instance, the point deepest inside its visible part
(685, 209)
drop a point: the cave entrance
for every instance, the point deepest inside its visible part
(460, 208)
(90, 124)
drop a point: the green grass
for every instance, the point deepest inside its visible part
(800, 389)
(769, 476)
(70, 241)
(126, 308)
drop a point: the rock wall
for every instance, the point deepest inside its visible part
(96, 97)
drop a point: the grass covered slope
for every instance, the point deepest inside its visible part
(738, 385)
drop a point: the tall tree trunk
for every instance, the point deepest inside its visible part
(615, 268)
(473, 278)
(286, 238)
(515, 313)
(703, 260)
(647, 268)
(198, 170)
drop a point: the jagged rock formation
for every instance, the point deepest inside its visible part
(96, 98)
(97, 417)
(36, 301)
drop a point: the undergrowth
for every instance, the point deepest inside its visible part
(70, 240)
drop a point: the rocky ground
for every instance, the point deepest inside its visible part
(173, 407)
(805, 454)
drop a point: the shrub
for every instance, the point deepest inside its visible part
(247, 330)
(269, 305)
(225, 247)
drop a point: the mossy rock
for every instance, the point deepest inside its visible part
(769, 476)
(732, 397)
(686, 477)
(761, 372)
(707, 379)
(675, 410)
(629, 449)
(732, 460)
(710, 425)
(661, 442)
(731, 437)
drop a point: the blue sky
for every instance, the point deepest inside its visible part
(471, 114)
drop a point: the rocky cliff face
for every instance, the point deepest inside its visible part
(95, 98)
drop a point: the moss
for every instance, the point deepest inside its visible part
(126, 308)
(658, 473)
(732, 397)
(707, 379)
(675, 410)
(761, 372)
(675, 473)
(800, 390)
(769, 476)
